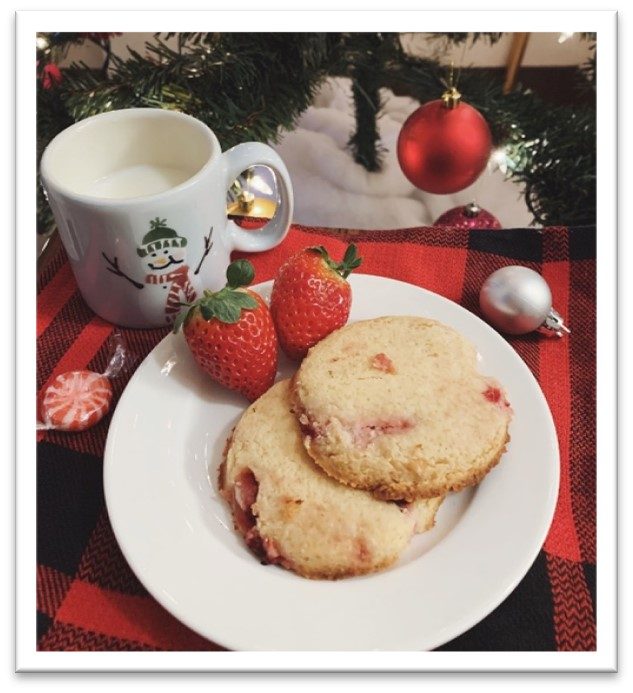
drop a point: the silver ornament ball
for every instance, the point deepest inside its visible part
(517, 300)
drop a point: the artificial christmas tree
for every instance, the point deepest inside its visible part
(251, 86)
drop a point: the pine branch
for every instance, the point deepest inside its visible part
(250, 86)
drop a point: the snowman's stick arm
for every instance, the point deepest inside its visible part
(208, 244)
(114, 268)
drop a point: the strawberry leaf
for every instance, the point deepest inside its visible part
(225, 305)
(206, 308)
(350, 255)
(227, 311)
(244, 300)
(181, 317)
(350, 261)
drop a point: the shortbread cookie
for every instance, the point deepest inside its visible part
(396, 406)
(424, 511)
(291, 513)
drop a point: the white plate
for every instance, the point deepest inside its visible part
(160, 476)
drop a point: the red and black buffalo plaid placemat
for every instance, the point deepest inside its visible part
(89, 599)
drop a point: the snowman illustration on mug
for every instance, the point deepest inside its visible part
(164, 253)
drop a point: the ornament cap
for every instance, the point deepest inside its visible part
(472, 209)
(554, 322)
(451, 97)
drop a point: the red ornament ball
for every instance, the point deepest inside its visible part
(470, 216)
(443, 150)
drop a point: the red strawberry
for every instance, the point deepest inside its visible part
(231, 334)
(311, 298)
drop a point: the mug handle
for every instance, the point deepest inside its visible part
(238, 159)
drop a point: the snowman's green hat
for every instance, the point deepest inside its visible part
(158, 237)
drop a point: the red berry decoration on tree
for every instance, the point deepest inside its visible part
(445, 145)
(470, 216)
(51, 76)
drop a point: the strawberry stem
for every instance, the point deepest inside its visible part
(348, 264)
(239, 273)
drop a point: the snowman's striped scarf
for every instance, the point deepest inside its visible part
(180, 290)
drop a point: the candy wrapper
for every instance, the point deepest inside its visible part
(77, 400)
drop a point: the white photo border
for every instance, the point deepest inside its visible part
(27, 24)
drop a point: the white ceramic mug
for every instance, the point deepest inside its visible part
(139, 197)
